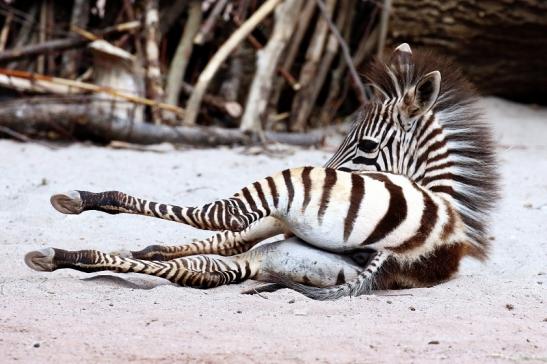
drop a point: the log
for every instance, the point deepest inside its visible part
(30, 115)
(501, 45)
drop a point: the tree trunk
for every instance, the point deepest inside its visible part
(501, 45)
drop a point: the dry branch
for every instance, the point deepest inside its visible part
(345, 50)
(153, 71)
(232, 108)
(60, 44)
(28, 116)
(286, 16)
(193, 105)
(386, 9)
(5, 30)
(302, 102)
(170, 14)
(206, 31)
(12, 74)
(78, 19)
(305, 15)
(183, 53)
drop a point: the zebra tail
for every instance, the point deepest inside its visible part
(362, 284)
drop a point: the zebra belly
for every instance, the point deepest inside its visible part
(303, 263)
(379, 217)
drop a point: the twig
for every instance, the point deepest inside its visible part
(193, 105)
(232, 108)
(90, 87)
(345, 51)
(5, 30)
(40, 62)
(61, 44)
(206, 30)
(25, 32)
(177, 69)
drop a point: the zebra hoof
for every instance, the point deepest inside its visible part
(41, 260)
(67, 203)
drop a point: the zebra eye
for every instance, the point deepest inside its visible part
(368, 145)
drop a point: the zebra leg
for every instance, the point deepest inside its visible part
(200, 271)
(220, 215)
(224, 243)
(291, 258)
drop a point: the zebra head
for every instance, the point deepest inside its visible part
(383, 137)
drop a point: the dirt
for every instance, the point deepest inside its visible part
(493, 312)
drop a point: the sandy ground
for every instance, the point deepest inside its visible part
(494, 312)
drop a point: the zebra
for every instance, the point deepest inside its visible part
(406, 196)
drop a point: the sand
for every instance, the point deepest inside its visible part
(493, 312)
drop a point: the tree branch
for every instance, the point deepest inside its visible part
(194, 103)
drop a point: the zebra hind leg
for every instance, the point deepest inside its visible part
(299, 263)
(201, 271)
(224, 243)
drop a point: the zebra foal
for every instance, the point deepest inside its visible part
(401, 202)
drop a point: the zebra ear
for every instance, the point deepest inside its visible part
(401, 58)
(419, 99)
(427, 91)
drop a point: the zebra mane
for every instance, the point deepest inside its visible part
(469, 138)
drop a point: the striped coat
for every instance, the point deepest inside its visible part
(402, 201)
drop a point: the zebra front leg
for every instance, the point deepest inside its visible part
(223, 243)
(200, 271)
